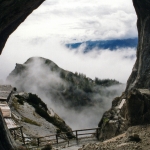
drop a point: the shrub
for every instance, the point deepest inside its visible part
(20, 101)
(47, 147)
(27, 120)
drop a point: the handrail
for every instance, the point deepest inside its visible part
(64, 133)
(57, 136)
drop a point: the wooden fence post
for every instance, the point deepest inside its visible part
(15, 136)
(38, 141)
(22, 136)
(97, 136)
(57, 138)
(77, 136)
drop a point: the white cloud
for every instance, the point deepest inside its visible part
(58, 21)
(102, 64)
(81, 20)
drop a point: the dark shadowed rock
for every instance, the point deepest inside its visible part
(140, 76)
(6, 141)
(13, 13)
(134, 137)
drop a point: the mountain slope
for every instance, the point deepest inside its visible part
(44, 77)
(29, 111)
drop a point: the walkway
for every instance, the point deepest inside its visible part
(5, 95)
(61, 141)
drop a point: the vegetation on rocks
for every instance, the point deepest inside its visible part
(47, 147)
(27, 120)
(41, 109)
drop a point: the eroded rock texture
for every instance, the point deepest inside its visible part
(133, 107)
(127, 110)
(12, 14)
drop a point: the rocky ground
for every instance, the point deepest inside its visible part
(135, 138)
(37, 120)
(33, 124)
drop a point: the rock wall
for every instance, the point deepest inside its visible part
(140, 76)
(13, 13)
(133, 107)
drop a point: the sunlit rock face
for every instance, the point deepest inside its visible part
(133, 107)
(13, 13)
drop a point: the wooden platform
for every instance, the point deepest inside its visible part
(5, 91)
(5, 109)
(11, 123)
(145, 91)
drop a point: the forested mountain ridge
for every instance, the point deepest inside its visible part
(72, 89)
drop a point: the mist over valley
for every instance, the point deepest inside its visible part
(79, 100)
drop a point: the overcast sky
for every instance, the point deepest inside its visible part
(57, 22)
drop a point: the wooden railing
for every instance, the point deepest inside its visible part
(60, 137)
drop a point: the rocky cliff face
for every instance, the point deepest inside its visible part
(140, 76)
(13, 13)
(133, 107)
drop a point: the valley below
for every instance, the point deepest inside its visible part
(42, 100)
(78, 99)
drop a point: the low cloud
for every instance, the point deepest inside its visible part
(41, 80)
(46, 31)
(97, 63)
(55, 23)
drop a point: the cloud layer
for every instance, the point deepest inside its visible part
(81, 20)
(102, 64)
(40, 79)
(57, 22)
